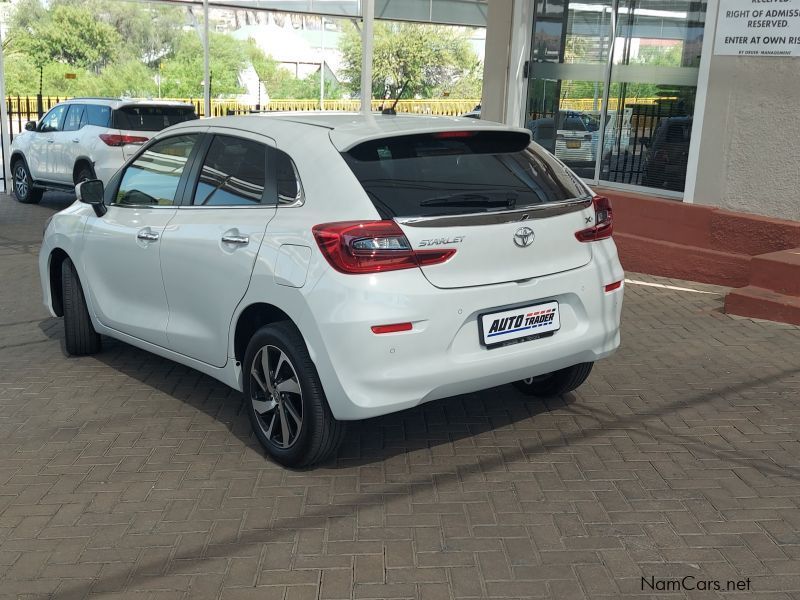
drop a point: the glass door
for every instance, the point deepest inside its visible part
(570, 52)
(652, 91)
(612, 85)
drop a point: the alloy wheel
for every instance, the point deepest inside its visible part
(21, 182)
(276, 396)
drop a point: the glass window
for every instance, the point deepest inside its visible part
(290, 190)
(152, 179)
(53, 120)
(459, 173)
(151, 118)
(233, 174)
(607, 74)
(74, 117)
(97, 115)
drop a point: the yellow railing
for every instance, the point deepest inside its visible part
(446, 107)
(590, 104)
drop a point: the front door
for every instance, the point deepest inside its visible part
(42, 157)
(123, 247)
(210, 247)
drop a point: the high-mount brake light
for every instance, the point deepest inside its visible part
(359, 247)
(603, 222)
(447, 135)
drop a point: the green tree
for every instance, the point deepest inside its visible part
(148, 31)
(70, 35)
(429, 58)
(182, 72)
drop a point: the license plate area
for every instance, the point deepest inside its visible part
(573, 144)
(518, 324)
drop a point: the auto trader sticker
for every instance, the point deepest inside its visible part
(519, 322)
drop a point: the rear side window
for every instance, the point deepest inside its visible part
(460, 172)
(234, 173)
(97, 115)
(290, 190)
(151, 118)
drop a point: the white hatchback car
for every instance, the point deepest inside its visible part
(336, 266)
(86, 138)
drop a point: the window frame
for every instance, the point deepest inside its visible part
(197, 168)
(269, 199)
(112, 191)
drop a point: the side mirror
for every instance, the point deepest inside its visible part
(91, 192)
(30, 126)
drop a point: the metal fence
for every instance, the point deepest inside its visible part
(22, 109)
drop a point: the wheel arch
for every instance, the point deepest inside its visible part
(81, 161)
(57, 258)
(250, 320)
(18, 155)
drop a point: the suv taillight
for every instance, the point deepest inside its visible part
(603, 222)
(358, 247)
(115, 139)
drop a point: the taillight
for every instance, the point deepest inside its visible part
(115, 139)
(603, 222)
(358, 247)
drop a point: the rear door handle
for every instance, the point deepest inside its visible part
(149, 236)
(236, 239)
(51, 141)
(76, 140)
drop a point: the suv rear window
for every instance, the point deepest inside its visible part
(151, 118)
(459, 172)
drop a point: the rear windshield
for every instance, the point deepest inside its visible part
(459, 172)
(151, 118)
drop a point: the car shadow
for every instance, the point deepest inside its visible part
(459, 421)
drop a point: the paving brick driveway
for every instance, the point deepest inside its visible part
(127, 476)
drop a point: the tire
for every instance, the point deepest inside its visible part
(298, 396)
(24, 191)
(555, 383)
(85, 172)
(79, 334)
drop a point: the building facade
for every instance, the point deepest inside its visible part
(639, 95)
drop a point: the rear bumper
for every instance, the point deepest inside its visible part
(366, 375)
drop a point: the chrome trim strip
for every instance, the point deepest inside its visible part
(537, 211)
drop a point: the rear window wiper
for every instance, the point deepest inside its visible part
(473, 200)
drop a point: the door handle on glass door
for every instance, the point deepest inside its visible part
(149, 236)
(236, 239)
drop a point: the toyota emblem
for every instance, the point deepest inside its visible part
(523, 237)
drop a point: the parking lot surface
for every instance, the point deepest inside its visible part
(124, 475)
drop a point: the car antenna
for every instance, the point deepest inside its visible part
(391, 110)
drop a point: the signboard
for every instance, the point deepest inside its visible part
(70, 76)
(758, 28)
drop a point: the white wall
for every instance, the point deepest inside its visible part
(749, 154)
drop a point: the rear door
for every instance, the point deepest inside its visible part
(510, 211)
(210, 247)
(68, 143)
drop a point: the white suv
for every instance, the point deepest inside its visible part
(86, 138)
(339, 267)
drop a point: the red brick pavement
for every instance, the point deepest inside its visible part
(128, 476)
